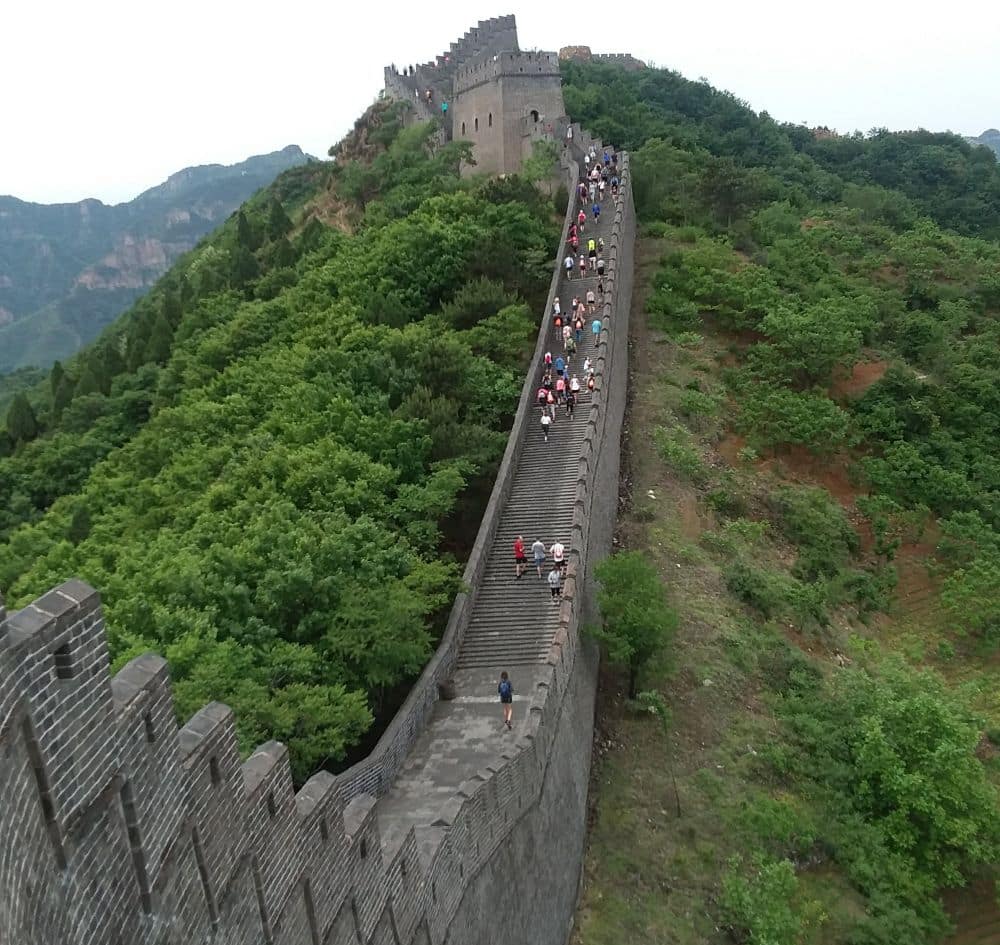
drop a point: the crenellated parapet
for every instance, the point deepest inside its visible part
(513, 64)
(500, 99)
(118, 826)
(624, 60)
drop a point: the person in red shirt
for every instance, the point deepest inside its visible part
(520, 558)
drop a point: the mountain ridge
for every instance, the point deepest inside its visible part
(990, 138)
(68, 269)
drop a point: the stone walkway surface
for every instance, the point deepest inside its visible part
(513, 621)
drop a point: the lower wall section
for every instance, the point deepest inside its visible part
(116, 828)
(527, 892)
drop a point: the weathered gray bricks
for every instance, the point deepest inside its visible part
(116, 827)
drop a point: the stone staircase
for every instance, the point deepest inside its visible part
(513, 621)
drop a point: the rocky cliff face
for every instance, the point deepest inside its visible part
(68, 270)
(990, 138)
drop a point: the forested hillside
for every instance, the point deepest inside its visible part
(273, 466)
(68, 270)
(813, 470)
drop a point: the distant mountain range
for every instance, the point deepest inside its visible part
(68, 270)
(990, 137)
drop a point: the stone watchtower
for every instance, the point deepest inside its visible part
(499, 98)
(503, 104)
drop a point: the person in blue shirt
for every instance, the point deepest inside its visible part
(596, 209)
(595, 327)
(506, 693)
(560, 366)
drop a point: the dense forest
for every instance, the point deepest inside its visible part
(805, 262)
(273, 465)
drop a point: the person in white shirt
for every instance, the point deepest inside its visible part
(546, 423)
(555, 584)
(558, 553)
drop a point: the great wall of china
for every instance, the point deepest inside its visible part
(118, 828)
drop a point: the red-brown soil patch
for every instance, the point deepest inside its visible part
(975, 912)
(687, 507)
(855, 382)
(916, 593)
(797, 464)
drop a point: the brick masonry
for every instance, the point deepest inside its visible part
(118, 828)
(500, 99)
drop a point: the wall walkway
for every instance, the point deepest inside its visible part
(116, 827)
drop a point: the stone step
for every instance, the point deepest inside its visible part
(513, 620)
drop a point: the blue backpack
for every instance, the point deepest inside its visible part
(505, 689)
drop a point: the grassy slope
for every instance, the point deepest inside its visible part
(670, 811)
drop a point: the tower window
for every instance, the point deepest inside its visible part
(534, 115)
(477, 124)
(463, 127)
(491, 119)
(63, 663)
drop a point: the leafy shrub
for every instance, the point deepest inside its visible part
(774, 417)
(916, 808)
(657, 229)
(697, 407)
(688, 339)
(818, 526)
(726, 502)
(759, 906)
(769, 592)
(870, 590)
(673, 447)
(636, 619)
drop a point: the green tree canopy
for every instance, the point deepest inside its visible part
(637, 621)
(22, 426)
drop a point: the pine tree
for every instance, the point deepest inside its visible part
(185, 293)
(22, 425)
(243, 267)
(171, 307)
(160, 341)
(56, 376)
(311, 236)
(278, 223)
(89, 381)
(63, 396)
(79, 526)
(281, 254)
(246, 234)
(114, 363)
(138, 338)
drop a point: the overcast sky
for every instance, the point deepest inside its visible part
(108, 97)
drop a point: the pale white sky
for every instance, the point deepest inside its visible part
(107, 97)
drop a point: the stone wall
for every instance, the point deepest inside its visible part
(116, 827)
(504, 103)
(500, 99)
